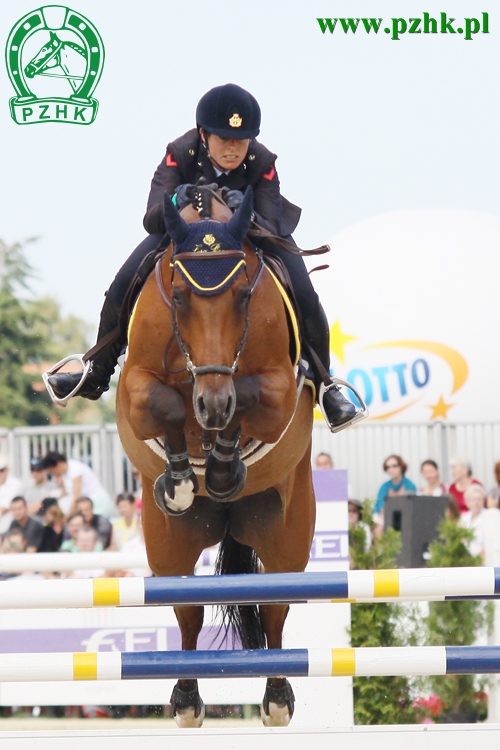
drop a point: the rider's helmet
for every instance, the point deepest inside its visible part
(229, 112)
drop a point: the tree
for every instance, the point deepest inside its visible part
(34, 335)
(456, 623)
(380, 700)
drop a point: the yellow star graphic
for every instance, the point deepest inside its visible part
(440, 409)
(338, 340)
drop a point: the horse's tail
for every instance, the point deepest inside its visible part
(236, 558)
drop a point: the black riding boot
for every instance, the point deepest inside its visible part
(340, 412)
(102, 366)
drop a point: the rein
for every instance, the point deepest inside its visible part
(208, 369)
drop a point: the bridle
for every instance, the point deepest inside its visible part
(193, 370)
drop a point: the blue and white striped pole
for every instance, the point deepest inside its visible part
(355, 586)
(360, 662)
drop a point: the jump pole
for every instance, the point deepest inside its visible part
(343, 662)
(356, 586)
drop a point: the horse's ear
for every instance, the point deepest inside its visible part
(239, 224)
(175, 225)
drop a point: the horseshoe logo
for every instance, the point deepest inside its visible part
(54, 42)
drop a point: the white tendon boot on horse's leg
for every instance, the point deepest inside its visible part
(277, 706)
(184, 493)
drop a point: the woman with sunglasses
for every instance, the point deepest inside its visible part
(397, 484)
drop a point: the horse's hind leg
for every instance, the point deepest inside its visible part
(188, 708)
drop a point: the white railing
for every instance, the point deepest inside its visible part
(361, 450)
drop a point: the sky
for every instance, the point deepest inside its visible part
(363, 125)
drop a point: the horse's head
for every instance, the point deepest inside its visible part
(210, 299)
(44, 56)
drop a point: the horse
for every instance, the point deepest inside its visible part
(54, 54)
(208, 376)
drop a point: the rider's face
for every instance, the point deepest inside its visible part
(226, 153)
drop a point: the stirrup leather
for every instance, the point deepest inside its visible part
(361, 413)
(86, 369)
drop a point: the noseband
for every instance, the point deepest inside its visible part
(223, 254)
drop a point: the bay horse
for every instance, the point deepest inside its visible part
(208, 370)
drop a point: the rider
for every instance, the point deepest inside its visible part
(223, 149)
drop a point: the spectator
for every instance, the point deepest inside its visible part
(430, 472)
(53, 525)
(134, 545)
(474, 518)
(76, 479)
(398, 483)
(39, 487)
(12, 543)
(10, 487)
(101, 525)
(74, 523)
(324, 461)
(137, 486)
(29, 527)
(493, 498)
(461, 472)
(86, 541)
(452, 512)
(355, 511)
(125, 527)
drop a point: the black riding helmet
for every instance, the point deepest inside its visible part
(229, 112)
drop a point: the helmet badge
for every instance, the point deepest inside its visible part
(235, 121)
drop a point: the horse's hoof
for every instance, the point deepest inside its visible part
(277, 706)
(177, 506)
(187, 708)
(229, 485)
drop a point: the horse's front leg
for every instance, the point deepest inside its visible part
(225, 472)
(157, 408)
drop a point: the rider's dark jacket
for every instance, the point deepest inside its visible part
(187, 160)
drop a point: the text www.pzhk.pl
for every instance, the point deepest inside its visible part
(400, 26)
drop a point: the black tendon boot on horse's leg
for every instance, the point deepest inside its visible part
(339, 412)
(102, 366)
(225, 472)
(174, 490)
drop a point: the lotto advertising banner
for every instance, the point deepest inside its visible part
(417, 339)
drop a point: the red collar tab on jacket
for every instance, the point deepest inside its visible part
(170, 161)
(269, 175)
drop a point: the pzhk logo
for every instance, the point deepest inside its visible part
(54, 58)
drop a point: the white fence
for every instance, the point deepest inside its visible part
(361, 450)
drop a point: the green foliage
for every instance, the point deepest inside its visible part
(380, 700)
(33, 335)
(456, 623)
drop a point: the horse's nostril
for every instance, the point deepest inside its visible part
(201, 405)
(227, 411)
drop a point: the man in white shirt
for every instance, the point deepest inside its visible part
(76, 479)
(10, 487)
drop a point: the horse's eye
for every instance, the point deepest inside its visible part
(177, 298)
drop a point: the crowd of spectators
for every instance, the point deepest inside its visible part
(65, 508)
(468, 502)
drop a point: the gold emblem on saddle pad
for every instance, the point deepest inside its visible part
(235, 121)
(208, 239)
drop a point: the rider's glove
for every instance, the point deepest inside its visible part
(233, 199)
(183, 195)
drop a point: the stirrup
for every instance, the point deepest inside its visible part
(361, 413)
(86, 368)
